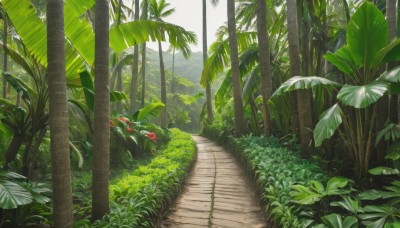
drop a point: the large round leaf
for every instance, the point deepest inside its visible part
(327, 125)
(362, 96)
(367, 34)
(299, 82)
(393, 75)
(12, 195)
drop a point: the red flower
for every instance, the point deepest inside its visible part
(128, 129)
(111, 123)
(152, 136)
(123, 119)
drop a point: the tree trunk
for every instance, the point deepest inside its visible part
(135, 68)
(34, 152)
(163, 87)
(265, 62)
(119, 88)
(59, 120)
(5, 56)
(210, 114)
(13, 148)
(303, 96)
(240, 125)
(101, 134)
(143, 74)
(293, 37)
(144, 17)
(391, 18)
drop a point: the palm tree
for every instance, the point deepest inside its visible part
(210, 114)
(391, 18)
(59, 133)
(159, 10)
(143, 69)
(240, 125)
(303, 97)
(101, 129)
(265, 65)
(135, 68)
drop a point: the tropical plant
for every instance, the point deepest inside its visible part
(356, 107)
(138, 134)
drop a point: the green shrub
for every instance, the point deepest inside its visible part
(277, 168)
(137, 198)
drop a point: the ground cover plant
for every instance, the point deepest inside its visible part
(139, 197)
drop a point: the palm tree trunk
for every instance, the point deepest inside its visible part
(163, 87)
(135, 68)
(293, 38)
(240, 125)
(391, 18)
(265, 62)
(5, 56)
(58, 111)
(143, 75)
(303, 96)
(101, 133)
(119, 88)
(210, 114)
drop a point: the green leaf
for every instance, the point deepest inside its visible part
(77, 154)
(151, 110)
(298, 82)
(303, 195)
(342, 59)
(367, 34)
(21, 87)
(129, 34)
(327, 125)
(382, 170)
(13, 195)
(335, 221)
(117, 96)
(88, 87)
(362, 96)
(334, 184)
(393, 75)
(349, 204)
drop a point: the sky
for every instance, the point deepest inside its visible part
(188, 14)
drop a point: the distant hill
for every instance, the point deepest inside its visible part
(188, 68)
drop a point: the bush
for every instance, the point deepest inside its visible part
(139, 197)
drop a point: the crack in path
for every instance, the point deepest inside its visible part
(216, 194)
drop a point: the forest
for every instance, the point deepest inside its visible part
(289, 118)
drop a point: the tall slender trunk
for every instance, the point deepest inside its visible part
(265, 62)
(210, 114)
(240, 125)
(13, 148)
(58, 111)
(101, 130)
(163, 87)
(119, 88)
(143, 74)
(304, 97)
(135, 68)
(293, 36)
(5, 56)
(173, 73)
(144, 17)
(391, 18)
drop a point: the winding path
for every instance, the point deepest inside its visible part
(216, 193)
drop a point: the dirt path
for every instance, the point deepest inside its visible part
(216, 194)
